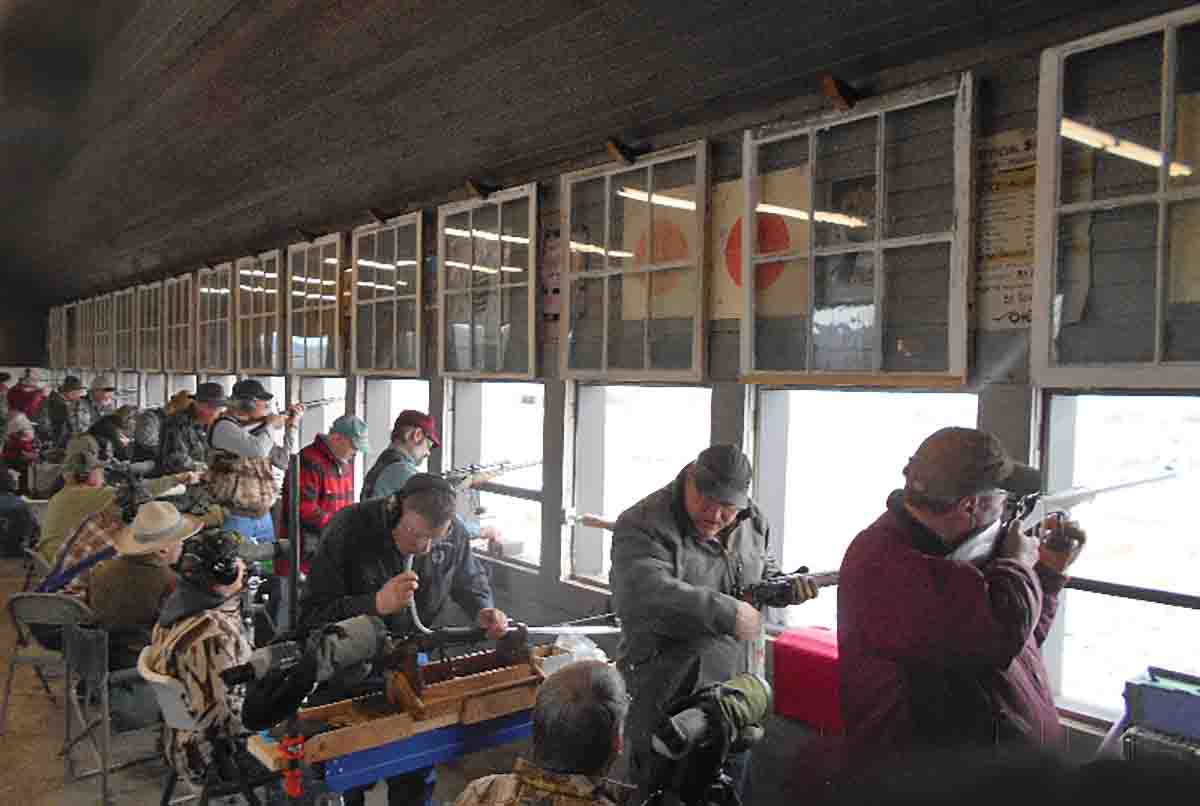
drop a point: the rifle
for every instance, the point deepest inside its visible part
(1031, 510)
(324, 401)
(471, 475)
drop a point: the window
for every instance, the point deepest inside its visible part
(178, 383)
(85, 353)
(259, 348)
(629, 442)
(56, 338)
(486, 262)
(149, 310)
(634, 289)
(214, 321)
(179, 305)
(156, 390)
(1117, 297)
(313, 306)
(859, 252)
(1141, 534)
(496, 422)
(74, 334)
(387, 297)
(827, 461)
(125, 329)
(326, 401)
(102, 313)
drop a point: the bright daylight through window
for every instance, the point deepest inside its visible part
(827, 468)
(629, 442)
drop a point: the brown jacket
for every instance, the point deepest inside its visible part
(528, 785)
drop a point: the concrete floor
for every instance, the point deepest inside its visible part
(32, 771)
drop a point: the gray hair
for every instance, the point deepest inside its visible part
(577, 716)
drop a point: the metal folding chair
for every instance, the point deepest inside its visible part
(85, 650)
(48, 610)
(36, 569)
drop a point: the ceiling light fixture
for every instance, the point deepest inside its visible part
(1103, 141)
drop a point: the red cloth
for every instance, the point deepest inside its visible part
(19, 449)
(805, 662)
(326, 486)
(26, 399)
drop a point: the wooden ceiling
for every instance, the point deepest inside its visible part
(144, 138)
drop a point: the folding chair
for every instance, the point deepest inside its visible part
(85, 650)
(44, 609)
(172, 701)
(36, 569)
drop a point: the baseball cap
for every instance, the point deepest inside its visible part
(70, 384)
(411, 418)
(723, 473)
(957, 462)
(353, 429)
(104, 382)
(211, 393)
(250, 389)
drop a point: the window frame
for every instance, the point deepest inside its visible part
(141, 360)
(414, 219)
(529, 191)
(184, 329)
(125, 302)
(102, 312)
(959, 237)
(252, 263)
(1159, 373)
(697, 150)
(204, 287)
(292, 311)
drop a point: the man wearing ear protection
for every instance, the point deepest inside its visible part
(940, 648)
(200, 634)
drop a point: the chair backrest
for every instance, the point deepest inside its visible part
(170, 693)
(86, 649)
(49, 608)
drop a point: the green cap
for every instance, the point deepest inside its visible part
(353, 429)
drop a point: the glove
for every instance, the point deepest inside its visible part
(1062, 540)
(803, 588)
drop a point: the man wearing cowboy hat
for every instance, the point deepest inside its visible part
(127, 593)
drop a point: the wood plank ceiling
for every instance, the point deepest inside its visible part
(143, 138)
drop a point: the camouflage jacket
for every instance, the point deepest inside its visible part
(195, 650)
(528, 785)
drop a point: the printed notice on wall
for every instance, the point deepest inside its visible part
(1005, 230)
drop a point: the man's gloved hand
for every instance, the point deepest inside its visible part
(803, 588)
(1061, 542)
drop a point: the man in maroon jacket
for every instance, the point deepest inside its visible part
(940, 643)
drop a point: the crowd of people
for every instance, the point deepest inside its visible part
(940, 647)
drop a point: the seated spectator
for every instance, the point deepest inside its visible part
(577, 734)
(127, 594)
(19, 448)
(200, 634)
(18, 526)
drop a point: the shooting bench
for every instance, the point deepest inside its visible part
(427, 715)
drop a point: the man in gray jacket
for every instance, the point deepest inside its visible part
(681, 558)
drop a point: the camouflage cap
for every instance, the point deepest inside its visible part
(957, 462)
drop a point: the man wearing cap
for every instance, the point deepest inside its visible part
(680, 558)
(183, 443)
(148, 426)
(99, 400)
(942, 609)
(414, 435)
(59, 417)
(114, 434)
(27, 396)
(244, 452)
(360, 568)
(127, 593)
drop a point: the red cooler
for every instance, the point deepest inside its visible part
(806, 677)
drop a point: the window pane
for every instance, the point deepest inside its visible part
(844, 316)
(404, 279)
(406, 335)
(519, 522)
(920, 169)
(366, 268)
(514, 244)
(457, 250)
(916, 330)
(486, 268)
(630, 441)
(1183, 283)
(504, 425)
(586, 335)
(485, 334)
(1103, 305)
(845, 187)
(366, 336)
(629, 217)
(385, 335)
(328, 332)
(385, 255)
(626, 322)
(1185, 159)
(458, 334)
(782, 212)
(514, 329)
(780, 314)
(1111, 127)
(672, 318)
(587, 225)
(886, 426)
(673, 206)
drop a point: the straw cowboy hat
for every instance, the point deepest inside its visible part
(157, 524)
